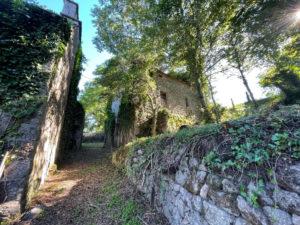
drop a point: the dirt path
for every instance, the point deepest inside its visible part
(89, 190)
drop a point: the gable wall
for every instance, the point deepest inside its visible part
(176, 92)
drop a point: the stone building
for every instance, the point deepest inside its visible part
(178, 97)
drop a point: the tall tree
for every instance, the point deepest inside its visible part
(192, 30)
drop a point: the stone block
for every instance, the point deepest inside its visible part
(225, 201)
(253, 215)
(216, 216)
(289, 201)
(277, 216)
(229, 187)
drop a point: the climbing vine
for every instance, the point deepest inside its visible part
(29, 37)
(126, 115)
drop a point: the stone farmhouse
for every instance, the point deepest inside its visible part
(178, 97)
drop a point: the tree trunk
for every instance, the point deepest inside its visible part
(214, 101)
(154, 122)
(248, 88)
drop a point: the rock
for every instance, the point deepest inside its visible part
(241, 221)
(176, 187)
(204, 191)
(197, 203)
(290, 178)
(194, 163)
(289, 201)
(277, 216)
(193, 218)
(214, 181)
(215, 216)
(140, 152)
(225, 201)
(296, 219)
(4, 122)
(253, 215)
(33, 213)
(265, 199)
(229, 187)
(182, 176)
(196, 182)
(202, 167)
(251, 188)
(200, 176)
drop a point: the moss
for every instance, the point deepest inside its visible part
(248, 145)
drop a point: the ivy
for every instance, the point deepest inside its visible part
(29, 37)
(126, 115)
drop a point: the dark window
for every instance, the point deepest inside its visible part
(186, 102)
(163, 98)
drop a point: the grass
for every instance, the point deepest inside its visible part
(92, 145)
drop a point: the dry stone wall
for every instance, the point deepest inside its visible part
(194, 196)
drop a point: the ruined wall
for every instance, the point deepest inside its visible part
(213, 175)
(194, 196)
(177, 93)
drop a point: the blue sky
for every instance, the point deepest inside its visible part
(88, 33)
(227, 88)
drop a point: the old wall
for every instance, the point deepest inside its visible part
(213, 175)
(32, 138)
(194, 196)
(53, 114)
(177, 93)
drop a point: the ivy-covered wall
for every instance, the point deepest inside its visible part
(37, 56)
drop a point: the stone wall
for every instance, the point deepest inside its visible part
(181, 99)
(215, 175)
(194, 196)
(39, 134)
(53, 115)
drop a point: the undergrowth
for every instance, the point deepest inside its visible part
(258, 147)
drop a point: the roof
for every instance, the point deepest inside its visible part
(171, 78)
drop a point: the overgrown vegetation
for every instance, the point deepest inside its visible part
(259, 147)
(30, 37)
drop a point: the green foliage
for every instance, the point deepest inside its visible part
(252, 146)
(260, 142)
(126, 114)
(109, 125)
(30, 37)
(206, 130)
(176, 121)
(130, 212)
(94, 102)
(285, 74)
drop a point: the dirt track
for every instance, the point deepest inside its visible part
(89, 190)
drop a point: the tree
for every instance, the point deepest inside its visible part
(285, 74)
(94, 101)
(192, 30)
(240, 57)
